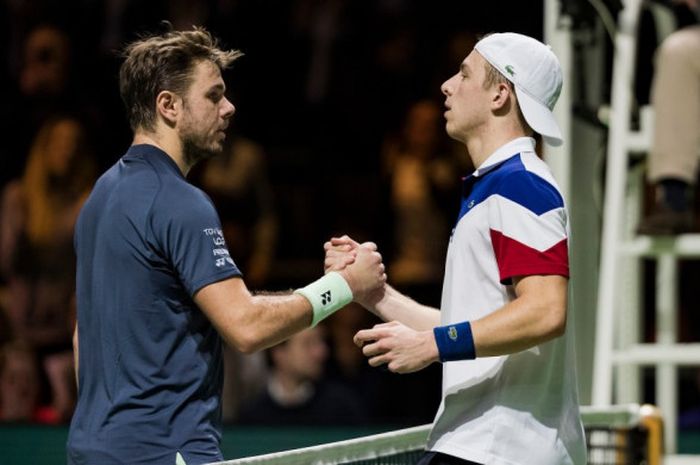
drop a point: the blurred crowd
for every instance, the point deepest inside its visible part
(338, 130)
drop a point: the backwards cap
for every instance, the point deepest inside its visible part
(535, 73)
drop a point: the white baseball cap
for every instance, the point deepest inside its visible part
(535, 73)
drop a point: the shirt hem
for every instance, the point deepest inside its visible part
(196, 287)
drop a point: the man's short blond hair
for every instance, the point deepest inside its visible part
(494, 77)
(164, 62)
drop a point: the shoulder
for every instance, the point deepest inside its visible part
(180, 208)
(128, 188)
(527, 181)
(177, 198)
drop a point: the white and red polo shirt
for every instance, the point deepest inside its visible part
(520, 408)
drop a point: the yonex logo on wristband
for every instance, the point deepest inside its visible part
(452, 332)
(326, 297)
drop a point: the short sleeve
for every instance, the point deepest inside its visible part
(528, 228)
(190, 233)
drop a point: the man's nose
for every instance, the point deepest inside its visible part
(229, 109)
(446, 87)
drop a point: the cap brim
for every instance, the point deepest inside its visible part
(540, 118)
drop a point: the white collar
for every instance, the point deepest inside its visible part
(504, 152)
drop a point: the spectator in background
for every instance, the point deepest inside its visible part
(348, 362)
(383, 395)
(43, 90)
(19, 386)
(46, 68)
(238, 183)
(422, 177)
(297, 393)
(37, 216)
(673, 159)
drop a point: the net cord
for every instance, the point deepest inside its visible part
(412, 439)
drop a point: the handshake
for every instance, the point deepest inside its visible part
(406, 342)
(360, 265)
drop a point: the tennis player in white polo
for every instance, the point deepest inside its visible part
(509, 380)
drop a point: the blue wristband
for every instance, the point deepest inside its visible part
(455, 342)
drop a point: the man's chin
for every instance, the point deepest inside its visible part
(194, 154)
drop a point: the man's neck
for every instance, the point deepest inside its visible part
(171, 146)
(480, 147)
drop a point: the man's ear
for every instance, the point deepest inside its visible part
(502, 92)
(168, 106)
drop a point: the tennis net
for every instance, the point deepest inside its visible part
(616, 435)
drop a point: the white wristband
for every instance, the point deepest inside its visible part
(326, 295)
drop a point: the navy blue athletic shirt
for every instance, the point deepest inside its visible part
(150, 372)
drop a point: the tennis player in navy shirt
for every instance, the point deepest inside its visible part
(156, 286)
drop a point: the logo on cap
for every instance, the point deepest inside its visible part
(510, 70)
(555, 96)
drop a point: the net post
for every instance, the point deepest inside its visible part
(652, 421)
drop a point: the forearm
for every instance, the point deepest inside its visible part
(255, 322)
(274, 318)
(519, 325)
(395, 306)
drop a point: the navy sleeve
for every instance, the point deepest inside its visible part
(190, 232)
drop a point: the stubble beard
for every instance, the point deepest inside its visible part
(196, 149)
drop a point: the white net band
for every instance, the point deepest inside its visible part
(605, 429)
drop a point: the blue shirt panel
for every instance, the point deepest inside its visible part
(150, 370)
(510, 179)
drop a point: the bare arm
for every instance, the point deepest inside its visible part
(395, 306)
(253, 322)
(537, 315)
(386, 302)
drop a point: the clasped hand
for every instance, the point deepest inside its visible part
(360, 264)
(402, 349)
